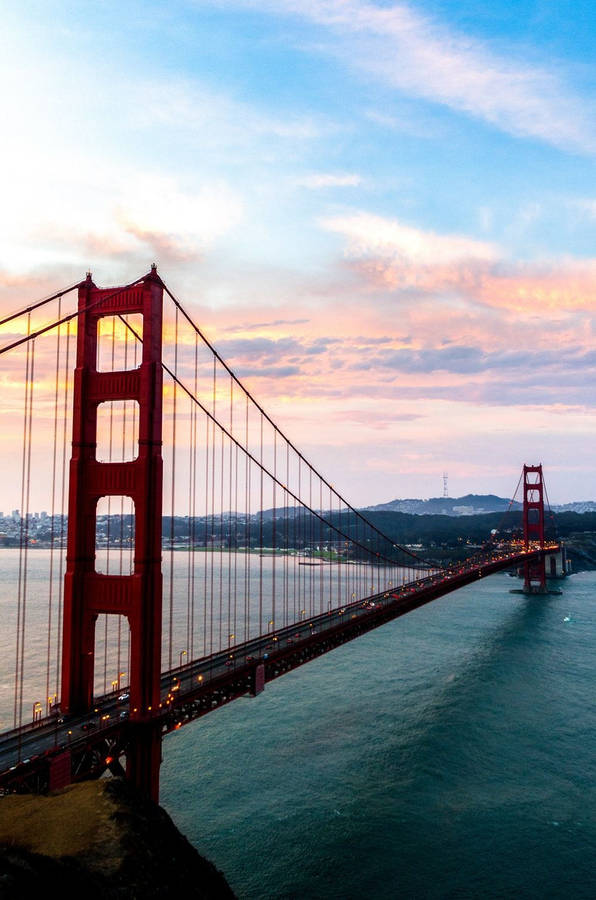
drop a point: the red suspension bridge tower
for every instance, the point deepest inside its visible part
(533, 516)
(88, 593)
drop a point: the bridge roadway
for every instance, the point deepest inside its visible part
(198, 687)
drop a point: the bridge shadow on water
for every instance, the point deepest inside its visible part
(489, 677)
(489, 781)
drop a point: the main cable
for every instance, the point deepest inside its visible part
(39, 303)
(275, 427)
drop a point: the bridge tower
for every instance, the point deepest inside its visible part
(138, 596)
(533, 516)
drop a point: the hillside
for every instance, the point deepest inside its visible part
(468, 505)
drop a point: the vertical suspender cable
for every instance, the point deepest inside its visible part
(286, 540)
(193, 530)
(62, 501)
(233, 526)
(301, 604)
(230, 527)
(311, 541)
(236, 530)
(17, 669)
(121, 549)
(247, 531)
(206, 529)
(26, 547)
(274, 531)
(53, 511)
(110, 457)
(189, 570)
(212, 505)
(172, 505)
(321, 582)
(261, 536)
(221, 532)
(331, 551)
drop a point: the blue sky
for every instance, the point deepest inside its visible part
(413, 182)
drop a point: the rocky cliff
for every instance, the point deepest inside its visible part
(99, 839)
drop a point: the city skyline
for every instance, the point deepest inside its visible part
(381, 214)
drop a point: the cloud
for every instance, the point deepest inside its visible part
(418, 55)
(586, 205)
(262, 326)
(393, 257)
(213, 118)
(372, 418)
(178, 223)
(268, 371)
(465, 360)
(159, 183)
(388, 239)
(257, 347)
(323, 180)
(566, 284)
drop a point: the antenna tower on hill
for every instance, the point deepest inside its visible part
(445, 488)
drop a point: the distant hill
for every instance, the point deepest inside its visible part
(581, 506)
(469, 505)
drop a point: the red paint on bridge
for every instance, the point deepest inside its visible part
(136, 596)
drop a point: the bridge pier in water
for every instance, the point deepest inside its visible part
(558, 565)
(88, 593)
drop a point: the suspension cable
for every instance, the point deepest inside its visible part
(35, 334)
(39, 303)
(274, 426)
(217, 357)
(265, 471)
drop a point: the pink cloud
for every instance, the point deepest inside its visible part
(391, 256)
(362, 356)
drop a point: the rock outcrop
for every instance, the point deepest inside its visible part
(99, 839)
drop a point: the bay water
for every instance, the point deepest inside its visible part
(450, 753)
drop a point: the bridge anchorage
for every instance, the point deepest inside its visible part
(268, 568)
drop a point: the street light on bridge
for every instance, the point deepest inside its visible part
(182, 653)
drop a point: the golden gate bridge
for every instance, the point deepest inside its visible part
(191, 553)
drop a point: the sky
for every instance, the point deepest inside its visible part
(383, 214)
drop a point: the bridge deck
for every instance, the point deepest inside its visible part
(188, 692)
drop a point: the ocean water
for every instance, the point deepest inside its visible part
(449, 754)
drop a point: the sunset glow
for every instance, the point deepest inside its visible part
(382, 215)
